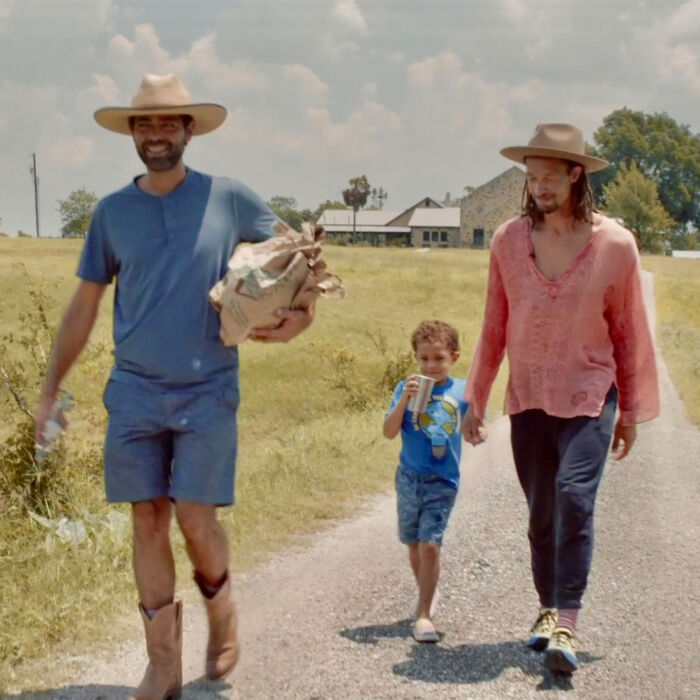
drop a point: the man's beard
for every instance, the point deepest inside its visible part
(164, 161)
(548, 207)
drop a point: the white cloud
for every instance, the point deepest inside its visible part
(5, 8)
(536, 49)
(339, 49)
(464, 102)
(144, 49)
(513, 10)
(240, 74)
(350, 14)
(679, 48)
(200, 64)
(370, 90)
(684, 23)
(239, 128)
(104, 89)
(356, 139)
(309, 83)
(425, 73)
(71, 152)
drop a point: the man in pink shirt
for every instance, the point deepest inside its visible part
(565, 301)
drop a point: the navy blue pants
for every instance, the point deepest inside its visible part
(559, 463)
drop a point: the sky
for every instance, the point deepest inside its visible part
(418, 96)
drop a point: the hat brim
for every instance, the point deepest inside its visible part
(520, 153)
(207, 116)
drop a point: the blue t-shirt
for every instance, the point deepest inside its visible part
(166, 253)
(431, 442)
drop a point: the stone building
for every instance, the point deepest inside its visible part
(488, 206)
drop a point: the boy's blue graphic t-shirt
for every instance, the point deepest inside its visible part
(431, 442)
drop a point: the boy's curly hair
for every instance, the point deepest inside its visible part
(435, 332)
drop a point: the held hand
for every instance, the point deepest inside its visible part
(42, 415)
(292, 322)
(473, 428)
(410, 388)
(623, 439)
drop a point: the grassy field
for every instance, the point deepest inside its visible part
(310, 430)
(677, 290)
(310, 437)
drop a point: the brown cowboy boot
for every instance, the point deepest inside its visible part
(222, 650)
(163, 678)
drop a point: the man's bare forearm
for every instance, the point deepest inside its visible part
(73, 334)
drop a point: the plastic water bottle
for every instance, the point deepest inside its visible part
(53, 428)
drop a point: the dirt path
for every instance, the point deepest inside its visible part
(333, 620)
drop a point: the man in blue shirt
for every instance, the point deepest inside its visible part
(172, 394)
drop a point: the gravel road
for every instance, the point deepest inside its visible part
(333, 620)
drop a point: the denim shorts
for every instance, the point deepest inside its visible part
(424, 503)
(176, 444)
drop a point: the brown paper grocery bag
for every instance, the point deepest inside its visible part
(285, 271)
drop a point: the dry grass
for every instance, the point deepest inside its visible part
(677, 287)
(306, 457)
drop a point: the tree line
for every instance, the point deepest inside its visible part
(652, 184)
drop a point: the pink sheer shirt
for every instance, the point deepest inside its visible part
(570, 339)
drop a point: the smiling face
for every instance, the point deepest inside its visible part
(160, 140)
(435, 359)
(549, 182)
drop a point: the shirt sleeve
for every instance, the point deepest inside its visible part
(492, 342)
(633, 348)
(97, 260)
(398, 390)
(255, 219)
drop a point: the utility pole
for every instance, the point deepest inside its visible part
(32, 170)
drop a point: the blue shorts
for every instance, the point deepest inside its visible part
(424, 503)
(179, 444)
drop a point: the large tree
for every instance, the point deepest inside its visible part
(634, 199)
(328, 204)
(286, 209)
(76, 212)
(664, 151)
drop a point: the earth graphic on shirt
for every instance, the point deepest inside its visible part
(438, 422)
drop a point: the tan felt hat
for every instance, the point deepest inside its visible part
(162, 95)
(556, 141)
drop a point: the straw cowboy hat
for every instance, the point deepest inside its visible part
(162, 95)
(556, 141)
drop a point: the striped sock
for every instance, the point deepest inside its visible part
(566, 617)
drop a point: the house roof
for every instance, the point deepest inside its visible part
(344, 228)
(447, 217)
(424, 202)
(343, 217)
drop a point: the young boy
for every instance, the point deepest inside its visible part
(427, 477)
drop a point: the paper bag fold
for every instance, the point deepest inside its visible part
(285, 271)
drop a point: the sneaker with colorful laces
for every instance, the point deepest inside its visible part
(542, 629)
(561, 654)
